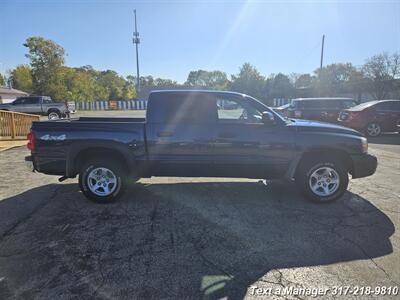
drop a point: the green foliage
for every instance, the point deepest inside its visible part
(46, 60)
(210, 79)
(381, 71)
(149, 81)
(21, 78)
(47, 75)
(304, 81)
(279, 86)
(2, 80)
(249, 81)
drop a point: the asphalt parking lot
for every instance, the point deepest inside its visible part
(186, 238)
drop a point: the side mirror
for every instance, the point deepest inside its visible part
(268, 118)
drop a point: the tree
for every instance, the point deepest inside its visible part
(211, 79)
(249, 81)
(279, 86)
(161, 82)
(2, 80)
(21, 78)
(47, 60)
(332, 78)
(381, 71)
(303, 81)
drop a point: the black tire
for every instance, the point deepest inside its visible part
(116, 169)
(370, 129)
(309, 166)
(53, 112)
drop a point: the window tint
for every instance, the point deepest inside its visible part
(19, 101)
(332, 104)
(182, 108)
(32, 100)
(348, 103)
(234, 111)
(310, 104)
(396, 105)
(384, 106)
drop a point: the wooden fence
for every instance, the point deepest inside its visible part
(15, 125)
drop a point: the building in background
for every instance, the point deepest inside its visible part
(8, 95)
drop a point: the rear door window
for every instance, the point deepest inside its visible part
(33, 100)
(384, 106)
(19, 101)
(311, 104)
(182, 108)
(396, 106)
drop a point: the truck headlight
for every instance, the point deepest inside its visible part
(364, 145)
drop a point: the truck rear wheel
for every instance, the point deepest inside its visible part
(322, 180)
(54, 115)
(102, 181)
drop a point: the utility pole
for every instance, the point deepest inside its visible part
(322, 54)
(136, 41)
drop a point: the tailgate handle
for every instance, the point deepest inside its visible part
(164, 133)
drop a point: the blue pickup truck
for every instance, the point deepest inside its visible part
(200, 133)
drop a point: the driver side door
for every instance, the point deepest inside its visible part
(245, 146)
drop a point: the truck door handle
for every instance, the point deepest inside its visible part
(226, 135)
(164, 133)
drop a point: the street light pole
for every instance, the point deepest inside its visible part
(322, 53)
(136, 41)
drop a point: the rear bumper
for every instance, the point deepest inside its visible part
(363, 165)
(46, 165)
(29, 163)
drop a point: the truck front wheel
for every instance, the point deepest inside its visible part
(102, 181)
(322, 180)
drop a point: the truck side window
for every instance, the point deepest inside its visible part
(231, 111)
(19, 101)
(33, 100)
(182, 108)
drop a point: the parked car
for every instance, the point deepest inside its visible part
(41, 105)
(282, 110)
(184, 134)
(373, 118)
(321, 109)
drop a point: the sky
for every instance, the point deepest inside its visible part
(180, 36)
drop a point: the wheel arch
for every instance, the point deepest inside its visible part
(56, 110)
(336, 154)
(78, 157)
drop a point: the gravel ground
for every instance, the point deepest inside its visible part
(186, 238)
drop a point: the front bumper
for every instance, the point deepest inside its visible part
(363, 165)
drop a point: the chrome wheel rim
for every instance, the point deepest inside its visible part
(373, 129)
(102, 182)
(324, 181)
(53, 116)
